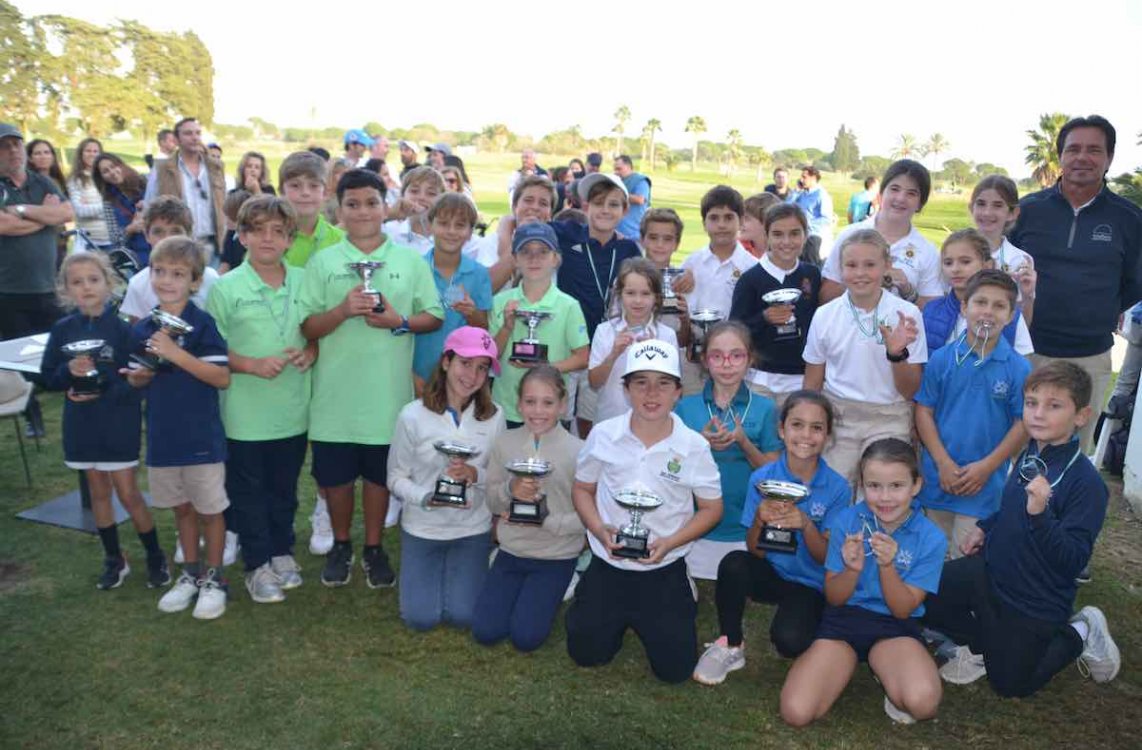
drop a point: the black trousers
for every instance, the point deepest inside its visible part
(799, 607)
(657, 604)
(261, 480)
(1021, 653)
(25, 314)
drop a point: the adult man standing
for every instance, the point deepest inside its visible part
(780, 185)
(817, 204)
(1086, 242)
(638, 188)
(197, 179)
(527, 168)
(357, 145)
(408, 153)
(436, 154)
(31, 212)
(594, 162)
(380, 148)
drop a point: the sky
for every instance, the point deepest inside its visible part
(980, 72)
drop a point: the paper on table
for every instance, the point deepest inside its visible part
(30, 349)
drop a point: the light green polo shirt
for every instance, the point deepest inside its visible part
(305, 245)
(259, 321)
(564, 332)
(363, 376)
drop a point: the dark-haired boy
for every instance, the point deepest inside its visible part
(1009, 602)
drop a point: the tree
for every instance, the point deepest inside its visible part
(958, 171)
(696, 125)
(1041, 154)
(936, 145)
(846, 154)
(498, 135)
(649, 131)
(871, 166)
(983, 169)
(759, 158)
(20, 76)
(906, 147)
(622, 117)
(733, 149)
(265, 129)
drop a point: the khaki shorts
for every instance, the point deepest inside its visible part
(201, 485)
(858, 425)
(956, 527)
(586, 397)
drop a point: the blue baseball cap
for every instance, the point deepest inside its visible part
(356, 135)
(536, 231)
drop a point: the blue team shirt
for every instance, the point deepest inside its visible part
(758, 416)
(974, 407)
(575, 277)
(636, 184)
(829, 494)
(919, 557)
(184, 421)
(477, 283)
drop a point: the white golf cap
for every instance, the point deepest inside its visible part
(653, 355)
(588, 182)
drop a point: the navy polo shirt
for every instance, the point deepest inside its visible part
(829, 494)
(590, 288)
(184, 421)
(919, 556)
(974, 406)
(773, 354)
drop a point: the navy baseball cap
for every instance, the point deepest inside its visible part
(536, 231)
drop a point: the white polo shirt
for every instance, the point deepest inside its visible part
(714, 279)
(401, 233)
(677, 469)
(140, 298)
(612, 398)
(913, 254)
(856, 366)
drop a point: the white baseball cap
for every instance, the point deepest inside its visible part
(588, 182)
(653, 355)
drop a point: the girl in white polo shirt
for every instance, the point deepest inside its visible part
(866, 351)
(994, 208)
(647, 450)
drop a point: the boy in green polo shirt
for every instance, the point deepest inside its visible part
(364, 375)
(265, 409)
(302, 182)
(535, 249)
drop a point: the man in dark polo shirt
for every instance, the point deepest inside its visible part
(1087, 244)
(31, 212)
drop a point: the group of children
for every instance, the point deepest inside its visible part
(431, 369)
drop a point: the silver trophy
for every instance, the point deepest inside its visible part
(365, 269)
(704, 319)
(91, 382)
(772, 538)
(633, 538)
(448, 491)
(529, 349)
(670, 304)
(529, 511)
(787, 329)
(171, 325)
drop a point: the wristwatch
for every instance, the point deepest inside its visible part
(902, 356)
(403, 328)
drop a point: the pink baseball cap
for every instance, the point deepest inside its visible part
(469, 341)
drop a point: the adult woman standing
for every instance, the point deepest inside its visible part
(42, 158)
(253, 175)
(85, 197)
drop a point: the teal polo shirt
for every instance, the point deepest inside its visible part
(477, 283)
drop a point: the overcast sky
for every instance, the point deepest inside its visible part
(978, 71)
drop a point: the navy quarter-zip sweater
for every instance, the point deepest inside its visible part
(1088, 266)
(108, 428)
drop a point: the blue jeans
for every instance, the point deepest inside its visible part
(520, 599)
(440, 579)
(261, 482)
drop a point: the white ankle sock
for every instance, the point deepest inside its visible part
(1081, 628)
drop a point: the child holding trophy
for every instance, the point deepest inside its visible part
(535, 322)
(530, 474)
(445, 543)
(645, 461)
(101, 416)
(637, 294)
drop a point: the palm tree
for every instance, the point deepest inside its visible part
(937, 145)
(653, 126)
(906, 148)
(734, 148)
(697, 126)
(622, 117)
(1041, 154)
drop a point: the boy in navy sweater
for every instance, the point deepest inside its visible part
(1009, 602)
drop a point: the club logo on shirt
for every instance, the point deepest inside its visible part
(1000, 389)
(394, 276)
(817, 511)
(1102, 233)
(910, 252)
(673, 467)
(904, 559)
(737, 274)
(577, 248)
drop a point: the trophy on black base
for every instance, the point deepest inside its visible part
(705, 319)
(772, 538)
(633, 538)
(529, 349)
(529, 511)
(670, 304)
(91, 382)
(788, 329)
(452, 492)
(365, 269)
(171, 325)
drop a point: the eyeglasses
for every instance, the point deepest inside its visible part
(736, 357)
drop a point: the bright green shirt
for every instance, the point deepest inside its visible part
(305, 245)
(259, 321)
(564, 332)
(363, 376)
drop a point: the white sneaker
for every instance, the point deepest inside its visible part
(263, 585)
(321, 540)
(230, 551)
(964, 668)
(898, 715)
(287, 570)
(179, 596)
(211, 598)
(569, 594)
(719, 660)
(1100, 659)
(179, 555)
